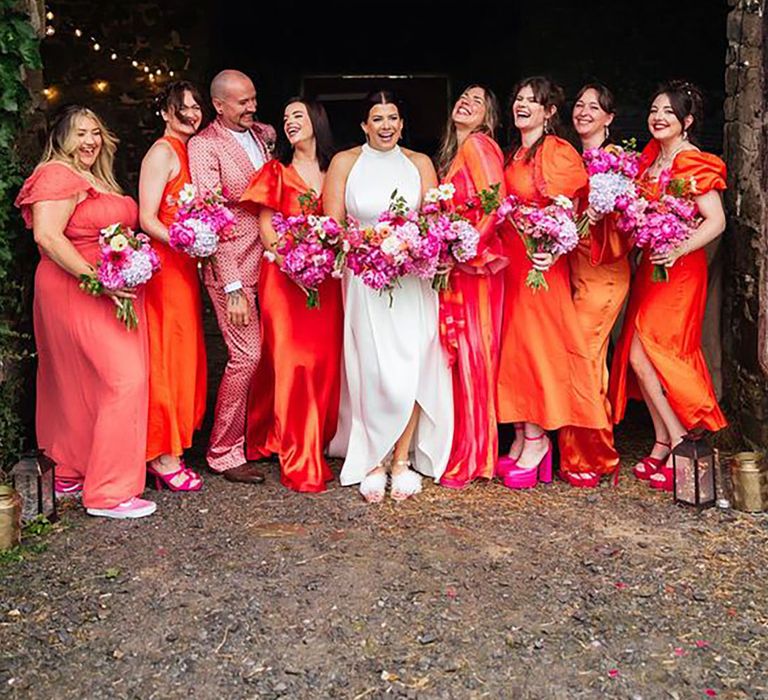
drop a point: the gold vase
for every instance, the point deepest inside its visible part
(749, 474)
(10, 518)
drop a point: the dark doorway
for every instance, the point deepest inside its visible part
(630, 46)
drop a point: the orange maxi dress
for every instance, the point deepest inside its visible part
(177, 362)
(600, 281)
(667, 317)
(546, 371)
(293, 403)
(92, 373)
(470, 320)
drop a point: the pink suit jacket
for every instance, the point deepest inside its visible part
(218, 161)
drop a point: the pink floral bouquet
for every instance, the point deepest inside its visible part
(398, 245)
(199, 223)
(127, 261)
(549, 229)
(612, 173)
(458, 239)
(311, 246)
(661, 225)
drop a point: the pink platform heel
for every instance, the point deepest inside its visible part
(519, 478)
(504, 466)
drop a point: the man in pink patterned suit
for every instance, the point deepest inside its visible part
(225, 155)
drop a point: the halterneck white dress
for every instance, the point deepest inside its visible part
(392, 353)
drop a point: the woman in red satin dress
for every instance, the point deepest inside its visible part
(546, 379)
(177, 363)
(294, 398)
(658, 357)
(470, 311)
(91, 409)
(600, 281)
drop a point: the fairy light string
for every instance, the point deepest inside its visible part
(152, 71)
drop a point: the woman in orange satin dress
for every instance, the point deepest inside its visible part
(294, 399)
(600, 281)
(546, 378)
(177, 375)
(658, 357)
(91, 409)
(470, 311)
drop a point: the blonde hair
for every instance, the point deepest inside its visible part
(62, 146)
(450, 144)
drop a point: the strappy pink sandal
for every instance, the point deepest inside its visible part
(192, 482)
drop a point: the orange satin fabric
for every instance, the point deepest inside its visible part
(667, 316)
(545, 375)
(470, 320)
(600, 282)
(293, 403)
(177, 360)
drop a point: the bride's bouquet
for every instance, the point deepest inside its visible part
(127, 261)
(548, 229)
(612, 173)
(199, 223)
(312, 247)
(396, 246)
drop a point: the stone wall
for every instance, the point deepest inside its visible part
(745, 312)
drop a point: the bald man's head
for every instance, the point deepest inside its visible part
(234, 99)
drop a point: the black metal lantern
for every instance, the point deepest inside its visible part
(693, 468)
(33, 477)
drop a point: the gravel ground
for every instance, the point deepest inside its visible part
(257, 592)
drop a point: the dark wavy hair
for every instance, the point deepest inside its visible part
(686, 100)
(324, 146)
(171, 98)
(548, 94)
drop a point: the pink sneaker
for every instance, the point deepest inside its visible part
(67, 488)
(132, 508)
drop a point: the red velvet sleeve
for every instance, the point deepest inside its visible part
(50, 181)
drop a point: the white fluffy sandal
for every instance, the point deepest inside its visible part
(406, 483)
(374, 486)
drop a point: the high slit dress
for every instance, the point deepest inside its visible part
(667, 316)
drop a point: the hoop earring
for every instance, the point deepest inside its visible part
(685, 135)
(607, 134)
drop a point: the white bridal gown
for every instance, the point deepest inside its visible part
(392, 354)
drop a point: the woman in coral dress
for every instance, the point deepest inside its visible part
(658, 357)
(546, 379)
(177, 363)
(91, 412)
(293, 404)
(470, 311)
(600, 281)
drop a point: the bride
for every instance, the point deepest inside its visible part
(397, 384)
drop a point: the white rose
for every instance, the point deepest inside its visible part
(390, 246)
(187, 193)
(432, 195)
(118, 242)
(446, 191)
